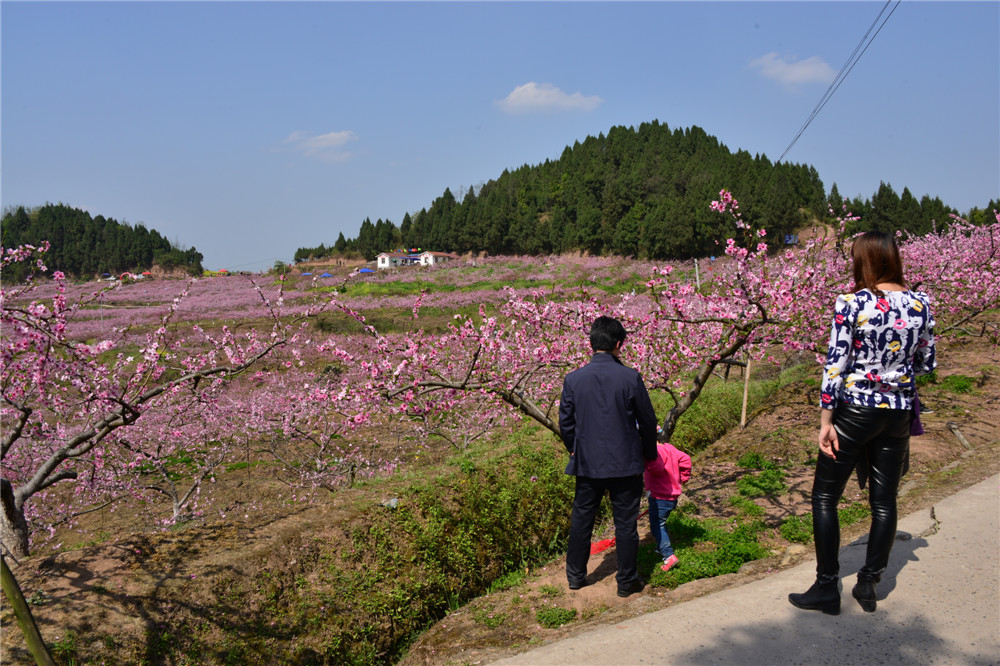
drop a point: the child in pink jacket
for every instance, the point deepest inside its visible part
(663, 477)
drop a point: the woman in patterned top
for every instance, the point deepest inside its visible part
(882, 337)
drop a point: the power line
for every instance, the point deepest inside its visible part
(852, 60)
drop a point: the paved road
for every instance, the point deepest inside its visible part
(938, 603)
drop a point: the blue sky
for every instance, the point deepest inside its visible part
(250, 129)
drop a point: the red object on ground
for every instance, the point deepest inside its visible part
(600, 546)
(604, 544)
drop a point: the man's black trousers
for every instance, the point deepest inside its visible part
(626, 492)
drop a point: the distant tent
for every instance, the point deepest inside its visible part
(366, 270)
(105, 274)
(147, 273)
(326, 275)
(223, 270)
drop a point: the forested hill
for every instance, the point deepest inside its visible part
(641, 192)
(85, 246)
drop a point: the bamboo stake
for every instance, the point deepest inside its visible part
(746, 391)
(961, 438)
(11, 590)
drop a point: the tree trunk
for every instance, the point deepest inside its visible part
(13, 526)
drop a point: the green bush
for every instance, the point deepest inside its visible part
(450, 540)
(394, 573)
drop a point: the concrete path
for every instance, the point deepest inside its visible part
(938, 603)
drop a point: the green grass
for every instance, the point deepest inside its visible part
(769, 481)
(752, 461)
(800, 529)
(509, 580)
(747, 506)
(958, 384)
(552, 618)
(853, 513)
(705, 548)
(488, 617)
(952, 383)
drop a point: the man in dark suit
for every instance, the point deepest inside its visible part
(609, 427)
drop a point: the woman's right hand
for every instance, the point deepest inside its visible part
(828, 442)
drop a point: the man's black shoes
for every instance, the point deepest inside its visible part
(637, 586)
(578, 585)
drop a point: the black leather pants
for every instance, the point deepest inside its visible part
(879, 438)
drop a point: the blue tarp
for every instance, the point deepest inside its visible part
(326, 275)
(307, 274)
(366, 270)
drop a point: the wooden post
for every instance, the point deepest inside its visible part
(11, 590)
(697, 276)
(746, 391)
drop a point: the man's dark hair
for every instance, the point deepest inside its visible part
(605, 333)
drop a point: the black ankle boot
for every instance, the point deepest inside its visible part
(821, 596)
(864, 591)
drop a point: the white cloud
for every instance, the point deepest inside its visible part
(544, 97)
(326, 147)
(810, 70)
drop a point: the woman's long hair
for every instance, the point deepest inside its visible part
(876, 260)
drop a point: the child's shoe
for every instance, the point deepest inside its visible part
(669, 562)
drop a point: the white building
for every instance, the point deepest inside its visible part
(397, 258)
(433, 258)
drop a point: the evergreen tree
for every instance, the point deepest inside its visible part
(366, 243)
(341, 243)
